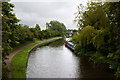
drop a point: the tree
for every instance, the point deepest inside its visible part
(103, 36)
(26, 26)
(9, 27)
(35, 32)
(56, 26)
(9, 33)
(37, 27)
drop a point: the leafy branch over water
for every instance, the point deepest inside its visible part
(99, 34)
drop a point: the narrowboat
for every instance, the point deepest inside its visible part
(70, 45)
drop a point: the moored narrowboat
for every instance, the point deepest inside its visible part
(70, 45)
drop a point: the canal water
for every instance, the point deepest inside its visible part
(57, 61)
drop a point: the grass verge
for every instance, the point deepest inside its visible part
(20, 59)
(20, 45)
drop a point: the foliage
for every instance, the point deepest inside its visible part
(71, 32)
(56, 26)
(99, 33)
(5, 71)
(37, 27)
(8, 25)
(14, 34)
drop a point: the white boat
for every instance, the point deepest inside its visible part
(70, 45)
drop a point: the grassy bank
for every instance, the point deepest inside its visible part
(20, 59)
(24, 43)
(20, 45)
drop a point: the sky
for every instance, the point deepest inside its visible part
(32, 12)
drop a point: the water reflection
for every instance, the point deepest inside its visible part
(89, 70)
(56, 61)
(57, 43)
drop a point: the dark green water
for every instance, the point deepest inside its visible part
(57, 61)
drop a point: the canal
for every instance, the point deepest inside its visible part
(57, 61)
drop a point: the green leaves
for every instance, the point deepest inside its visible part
(56, 26)
(37, 27)
(9, 21)
(110, 55)
(118, 72)
(99, 31)
(86, 35)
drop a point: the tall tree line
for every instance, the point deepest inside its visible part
(14, 34)
(99, 34)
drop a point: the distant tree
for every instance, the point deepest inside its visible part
(47, 25)
(35, 32)
(26, 26)
(56, 26)
(74, 30)
(37, 27)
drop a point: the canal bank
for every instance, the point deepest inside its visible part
(19, 61)
(41, 44)
(54, 60)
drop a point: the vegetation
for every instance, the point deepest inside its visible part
(37, 27)
(98, 38)
(99, 34)
(57, 27)
(14, 34)
(20, 59)
(71, 32)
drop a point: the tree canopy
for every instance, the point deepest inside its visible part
(56, 26)
(37, 27)
(99, 33)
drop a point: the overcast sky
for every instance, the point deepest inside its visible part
(33, 12)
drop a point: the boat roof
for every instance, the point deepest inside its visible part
(71, 43)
